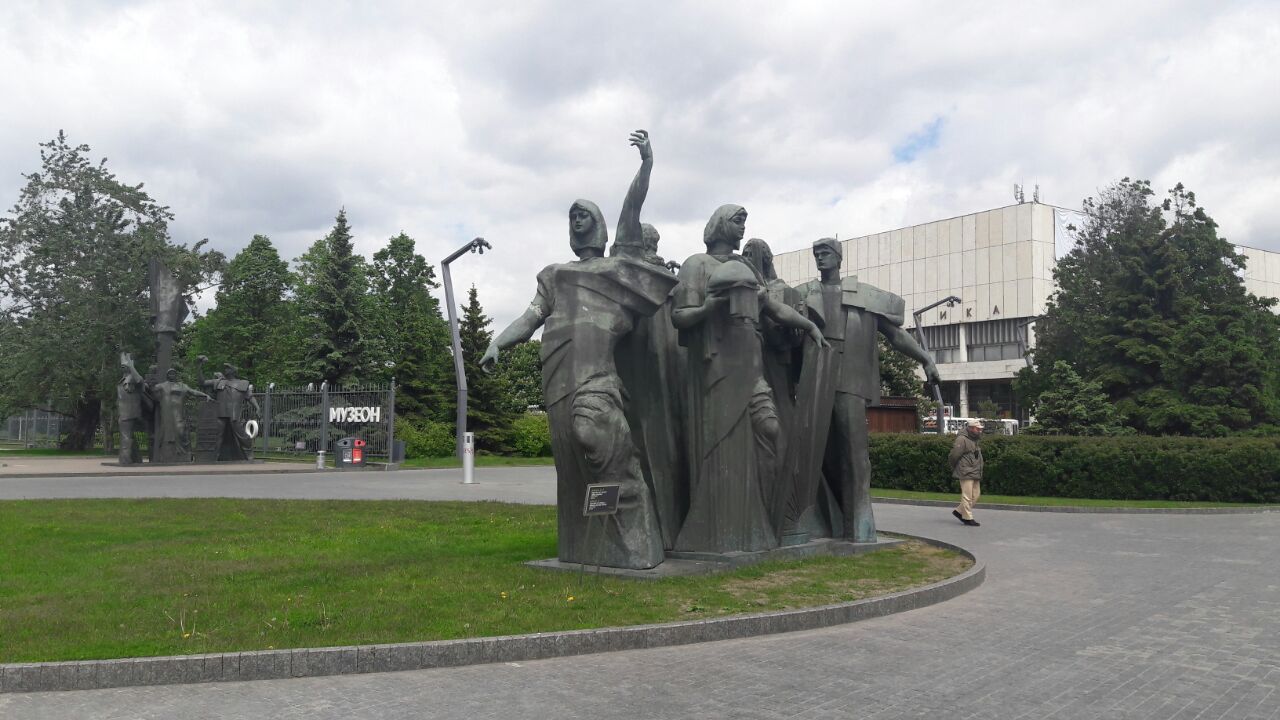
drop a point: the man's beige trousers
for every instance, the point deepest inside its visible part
(970, 490)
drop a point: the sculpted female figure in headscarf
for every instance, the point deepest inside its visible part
(732, 420)
(586, 307)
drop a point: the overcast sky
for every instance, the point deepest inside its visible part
(450, 120)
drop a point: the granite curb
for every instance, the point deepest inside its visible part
(1085, 509)
(315, 662)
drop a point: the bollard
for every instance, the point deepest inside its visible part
(320, 460)
(469, 459)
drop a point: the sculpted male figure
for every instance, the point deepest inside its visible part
(131, 396)
(585, 308)
(852, 313)
(231, 393)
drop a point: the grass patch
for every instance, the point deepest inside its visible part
(1051, 501)
(88, 579)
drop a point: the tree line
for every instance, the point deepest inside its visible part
(73, 281)
(1150, 329)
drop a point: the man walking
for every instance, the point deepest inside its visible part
(966, 466)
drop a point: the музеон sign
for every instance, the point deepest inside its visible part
(355, 414)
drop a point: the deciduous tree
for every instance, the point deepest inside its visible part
(73, 274)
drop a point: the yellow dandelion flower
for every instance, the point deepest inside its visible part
(570, 598)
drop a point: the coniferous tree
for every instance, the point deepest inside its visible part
(332, 284)
(520, 375)
(412, 338)
(250, 325)
(1074, 406)
(489, 413)
(1151, 307)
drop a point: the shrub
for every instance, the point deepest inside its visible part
(531, 435)
(1236, 469)
(426, 438)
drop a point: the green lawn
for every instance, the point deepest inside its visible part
(82, 579)
(1051, 501)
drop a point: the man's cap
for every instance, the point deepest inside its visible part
(831, 243)
(975, 422)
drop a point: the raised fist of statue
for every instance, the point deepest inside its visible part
(490, 359)
(640, 139)
(126, 361)
(202, 359)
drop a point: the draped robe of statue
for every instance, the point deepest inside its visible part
(733, 458)
(651, 364)
(171, 437)
(588, 306)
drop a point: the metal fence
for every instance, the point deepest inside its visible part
(297, 421)
(34, 428)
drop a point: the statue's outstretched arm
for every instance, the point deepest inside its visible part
(629, 233)
(520, 330)
(787, 315)
(902, 341)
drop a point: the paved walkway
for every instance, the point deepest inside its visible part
(1081, 616)
(510, 484)
(36, 465)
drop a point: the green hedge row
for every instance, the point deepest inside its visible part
(530, 436)
(1110, 468)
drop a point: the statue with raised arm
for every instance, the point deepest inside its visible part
(171, 438)
(733, 429)
(852, 315)
(232, 393)
(585, 308)
(133, 405)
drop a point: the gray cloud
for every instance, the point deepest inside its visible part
(453, 119)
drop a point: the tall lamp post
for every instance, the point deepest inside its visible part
(949, 301)
(477, 245)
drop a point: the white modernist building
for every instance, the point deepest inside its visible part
(1000, 264)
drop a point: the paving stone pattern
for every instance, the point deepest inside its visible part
(1081, 616)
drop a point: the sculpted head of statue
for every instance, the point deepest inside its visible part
(588, 234)
(726, 227)
(758, 253)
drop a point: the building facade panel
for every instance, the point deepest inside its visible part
(1000, 263)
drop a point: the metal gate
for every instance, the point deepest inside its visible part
(298, 421)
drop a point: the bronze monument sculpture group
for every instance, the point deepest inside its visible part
(728, 408)
(156, 405)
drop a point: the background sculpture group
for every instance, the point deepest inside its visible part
(157, 407)
(729, 407)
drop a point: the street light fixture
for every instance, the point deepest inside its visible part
(949, 301)
(477, 245)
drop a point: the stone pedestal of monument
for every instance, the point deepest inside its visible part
(683, 564)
